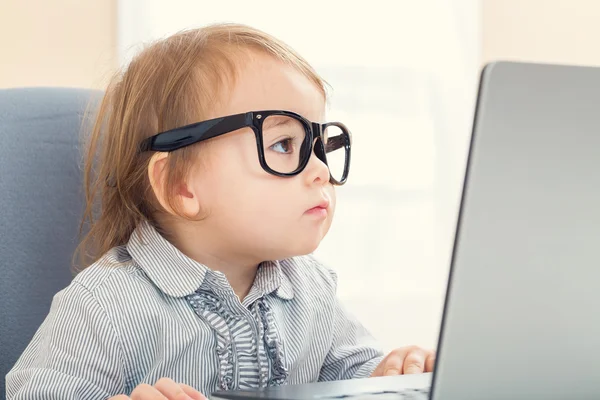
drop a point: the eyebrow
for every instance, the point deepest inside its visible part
(277, 120)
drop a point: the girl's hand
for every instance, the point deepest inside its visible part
(406, 360)
(164, 389)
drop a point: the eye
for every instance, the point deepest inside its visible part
(285, 146)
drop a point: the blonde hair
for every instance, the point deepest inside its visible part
(171, 83)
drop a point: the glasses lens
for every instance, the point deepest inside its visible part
(335, 149)
(284, 141)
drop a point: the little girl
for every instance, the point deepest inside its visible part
(210, 180)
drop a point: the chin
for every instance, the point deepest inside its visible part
(307, 247)
(294, 243)
(295, 250)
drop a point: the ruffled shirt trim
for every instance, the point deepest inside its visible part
(243, 349)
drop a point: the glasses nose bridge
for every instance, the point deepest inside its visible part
(317, 129)
(317, 139)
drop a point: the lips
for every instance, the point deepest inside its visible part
(323, 205)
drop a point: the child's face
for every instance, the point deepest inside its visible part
(254, 213)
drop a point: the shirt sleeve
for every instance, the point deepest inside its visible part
(354, 353)
(75, 354)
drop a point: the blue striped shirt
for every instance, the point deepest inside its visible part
(146, 311)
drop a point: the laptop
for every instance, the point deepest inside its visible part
(521, 317)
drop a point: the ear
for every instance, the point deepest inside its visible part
(184, 194)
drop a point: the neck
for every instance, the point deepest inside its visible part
(240, 271)
(240, 276)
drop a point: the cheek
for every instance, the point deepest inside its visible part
(252, 198)
(270, 200)
(332, 207)
(233, 167)
(332, 197)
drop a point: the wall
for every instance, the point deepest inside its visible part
(73, 43)
(57, 43)
(560, 31)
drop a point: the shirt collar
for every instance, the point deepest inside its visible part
(271, 278)
(177, 275)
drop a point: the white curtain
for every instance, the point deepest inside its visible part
(404, 76)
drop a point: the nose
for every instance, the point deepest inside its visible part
(317, 169)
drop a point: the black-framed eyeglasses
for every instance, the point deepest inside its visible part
(285, 141)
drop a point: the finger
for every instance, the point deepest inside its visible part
(146, 392)
(120, 397)
(171, 390)
(430, 362)
(379, 369)
(393, 363)
(193, 393)
(414, 362)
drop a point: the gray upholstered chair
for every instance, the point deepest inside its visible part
(41, 202)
